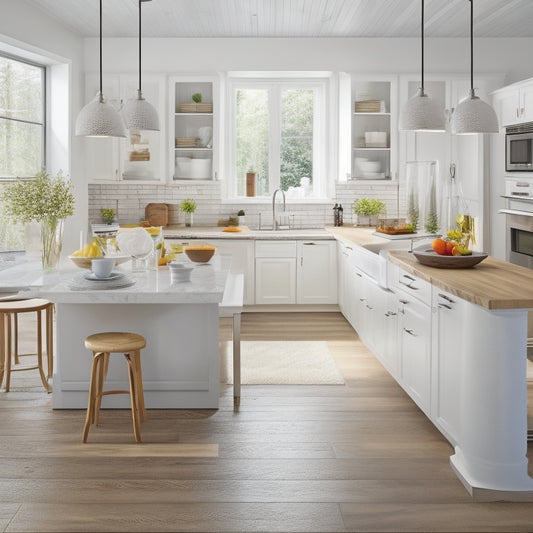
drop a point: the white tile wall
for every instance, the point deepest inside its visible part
(129, 200)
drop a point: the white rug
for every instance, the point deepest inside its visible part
(281, 363)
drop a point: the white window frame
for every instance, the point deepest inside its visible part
(275, 83)
(42, 124)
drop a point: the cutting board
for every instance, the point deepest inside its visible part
(156, 214)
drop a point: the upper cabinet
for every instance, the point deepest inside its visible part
(374, 127)
(142, 154)
(514, 104)
(194, 129)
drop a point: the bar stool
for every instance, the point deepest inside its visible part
(103, 345)
(9, 347)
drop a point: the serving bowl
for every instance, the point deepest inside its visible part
(199, 254)
(85, 262)
(428, 256)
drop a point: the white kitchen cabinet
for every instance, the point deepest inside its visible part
(242, 262)
(374, 127)
(142, 154)
(448, 324)
(414, 327)
(194, 128)
(294, 272)
(514, 104)
(344, 253)
(316, 275)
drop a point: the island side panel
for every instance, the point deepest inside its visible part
(180, 363)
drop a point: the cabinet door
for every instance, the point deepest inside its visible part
(526, 110)
(447, 355)
(415, 349)
(316, 277)
(242, 262)
(509, 107)
(275, 280)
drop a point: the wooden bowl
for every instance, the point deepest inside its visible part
(85, 262)
(199, 254)
(428, 256)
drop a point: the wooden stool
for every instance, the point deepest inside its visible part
(103, 345)
(9, 347)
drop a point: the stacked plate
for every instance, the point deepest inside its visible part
(88, 281)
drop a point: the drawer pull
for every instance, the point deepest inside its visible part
(446, 306)
(447, 298)
(309, 243)
(409, 277)
(369, 307)
(390, 313)
(404, 301)
(409, 286)
(410, 332)
(362, 299)
(360, 275)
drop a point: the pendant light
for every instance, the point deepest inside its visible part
(420, 112)
(473, 115)
(138, 114)
(99, 118)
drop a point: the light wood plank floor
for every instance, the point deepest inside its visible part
(353, 457)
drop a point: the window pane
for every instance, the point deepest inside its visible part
(20, 148)
(296, 137)
(21, 94)
(252, 139)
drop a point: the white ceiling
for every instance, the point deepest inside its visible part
(293, 18)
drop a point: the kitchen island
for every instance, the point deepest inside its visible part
(180, 363)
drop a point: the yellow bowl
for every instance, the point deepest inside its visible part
(199, 254)
(85, 262)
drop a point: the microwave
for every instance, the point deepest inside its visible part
(519, 148)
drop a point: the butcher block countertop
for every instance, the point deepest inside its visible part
(492, 284)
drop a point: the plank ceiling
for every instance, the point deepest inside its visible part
(293, 18)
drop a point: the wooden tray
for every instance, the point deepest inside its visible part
(394, 231)
(428, 256)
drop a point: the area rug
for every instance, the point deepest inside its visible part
(281, 363)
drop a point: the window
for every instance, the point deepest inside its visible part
(22, 118)
(278, 131)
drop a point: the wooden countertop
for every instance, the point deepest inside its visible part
(492, 284)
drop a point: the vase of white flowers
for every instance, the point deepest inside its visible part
(48, 200)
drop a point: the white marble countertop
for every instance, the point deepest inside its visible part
(214, 232)
(151, 287)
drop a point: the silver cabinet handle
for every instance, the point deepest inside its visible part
(409, 286)
(404, 301)
(410, 332)
(309, 243)
(369, 307)
(446, 306)
(362, 299)
(447, 298)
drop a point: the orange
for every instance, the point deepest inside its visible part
(449, 247)
(439, 245)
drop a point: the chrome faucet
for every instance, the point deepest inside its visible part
(275, 224)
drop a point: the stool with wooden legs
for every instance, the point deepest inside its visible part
(9, 346)
(103, 345)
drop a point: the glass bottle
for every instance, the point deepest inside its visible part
(340, 215)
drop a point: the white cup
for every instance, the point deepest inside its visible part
(102, 266)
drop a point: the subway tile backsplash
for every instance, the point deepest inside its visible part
(130, 199)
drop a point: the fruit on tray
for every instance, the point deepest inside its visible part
(91, 249)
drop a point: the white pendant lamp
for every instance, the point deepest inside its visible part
(138, 114)
(473, 115)
(420, 112)
(99, 118)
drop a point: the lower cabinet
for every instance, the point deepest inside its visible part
(447, 354)
(295, 272)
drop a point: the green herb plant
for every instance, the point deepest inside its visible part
(188, 206)
(108, 215)
(368, 207)
(197, 98)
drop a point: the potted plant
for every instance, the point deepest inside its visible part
(240, 214)
(46, 199)
(197, 98)
(108, 215)
(367, 211)
(188, 206)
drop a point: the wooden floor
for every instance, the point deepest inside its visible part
(353, 457)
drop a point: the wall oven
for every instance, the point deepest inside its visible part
(519, 148)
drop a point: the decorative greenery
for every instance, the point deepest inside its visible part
(240, 213)
(432, 218)
(108, 215)
(188, 206)
(197, 97)
(368, 206)
(44, 198)
(413, 211)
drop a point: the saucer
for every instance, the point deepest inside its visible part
(92, 277)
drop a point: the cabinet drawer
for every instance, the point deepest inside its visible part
(275, 249)
(414, 286)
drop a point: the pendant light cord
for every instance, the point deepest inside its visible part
(140, 2)
(101, 88)
(472, 46)
(422, 47)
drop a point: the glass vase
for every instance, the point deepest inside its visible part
(52, 241)
(189, 219)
